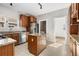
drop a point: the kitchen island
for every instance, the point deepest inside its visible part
(7, 46)
(36, 43)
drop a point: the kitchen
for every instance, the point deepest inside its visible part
(34, 32)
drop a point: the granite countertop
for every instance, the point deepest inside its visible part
(36, 34)
(6, 41)
(76, 38)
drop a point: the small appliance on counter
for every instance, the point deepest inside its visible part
(2, 36)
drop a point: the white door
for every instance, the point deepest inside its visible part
(60, 27)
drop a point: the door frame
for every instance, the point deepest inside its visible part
(40, 22)
(66, 29)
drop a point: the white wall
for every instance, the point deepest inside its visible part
(50, 21)
(9, 12)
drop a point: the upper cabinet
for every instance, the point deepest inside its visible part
(74, 18)
(32, 19)
(74, 10)
(74, 13)
(24, 21)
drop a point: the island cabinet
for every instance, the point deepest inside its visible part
(36, 44)
(7, 50)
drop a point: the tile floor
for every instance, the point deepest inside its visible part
(53, 49)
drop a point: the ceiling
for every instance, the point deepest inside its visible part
(34, 8)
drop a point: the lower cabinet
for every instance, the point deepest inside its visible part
(35, 44)
(7, 50)
(13, 36)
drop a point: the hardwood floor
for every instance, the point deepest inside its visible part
(61, 50)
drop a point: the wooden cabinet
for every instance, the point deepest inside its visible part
(13, 36)
(74, 17)
(24, 21)
(74, 10)
(32, 44)
(32, 19)
(16, 37)
(73, 21)
(74, 29)
(35, 44)
(7, 50)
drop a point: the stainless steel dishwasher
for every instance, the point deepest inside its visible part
(22, 37)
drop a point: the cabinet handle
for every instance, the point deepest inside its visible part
(32, 40)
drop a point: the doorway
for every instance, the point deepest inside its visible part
(60, 28)
(42, 26)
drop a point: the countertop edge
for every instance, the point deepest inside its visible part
(10, 41)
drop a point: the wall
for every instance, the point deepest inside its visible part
(50, 21)
(60, 26)
(9, 12)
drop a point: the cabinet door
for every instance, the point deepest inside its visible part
(16, 37)
(74, 10)
(24, 21)
(78, 12)
(72, 7)
(73, 29)
(32, 19)
(10, 35)
(73, 20)
(7, 50)
(32, 44)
